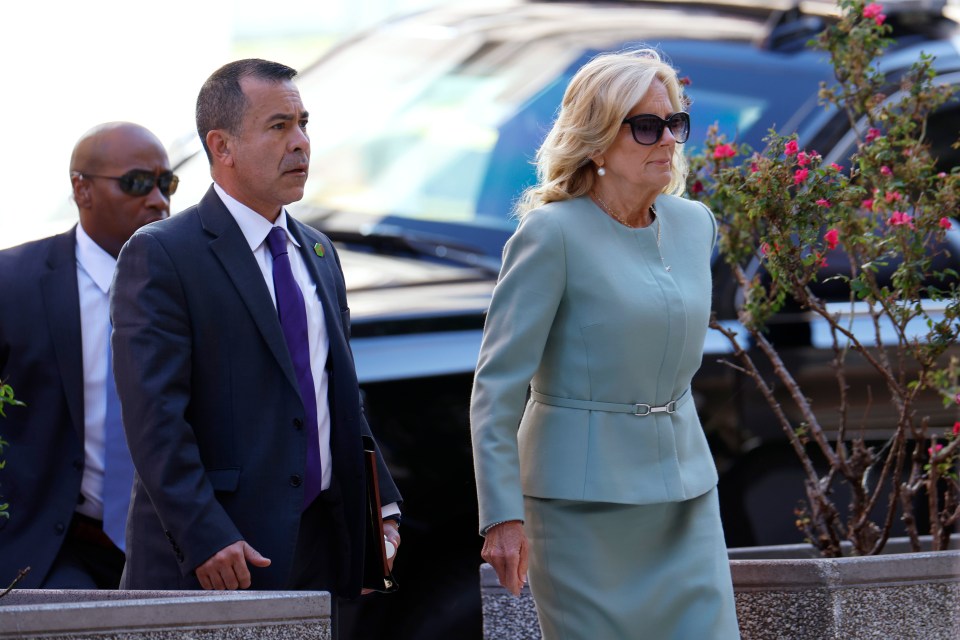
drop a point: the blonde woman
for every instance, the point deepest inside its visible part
(607, 490)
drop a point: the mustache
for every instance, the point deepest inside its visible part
(295, 163)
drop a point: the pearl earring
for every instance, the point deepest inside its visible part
(601, 172)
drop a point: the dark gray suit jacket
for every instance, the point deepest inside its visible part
(41, 357)
(211, 405)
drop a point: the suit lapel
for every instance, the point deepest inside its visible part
(233, 252)
(61, 302)
(321, 270)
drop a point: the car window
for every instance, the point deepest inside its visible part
(943, 130)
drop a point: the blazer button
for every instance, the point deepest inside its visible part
(59, 528)
(295, 480)
(298, 423)
(78, 465)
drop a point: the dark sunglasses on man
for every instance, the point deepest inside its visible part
(140, 182)
(647, 128)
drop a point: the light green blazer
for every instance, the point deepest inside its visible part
(585, 309)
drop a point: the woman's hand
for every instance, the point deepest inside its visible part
(505, 548)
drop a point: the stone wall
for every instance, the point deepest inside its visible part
(165, 615)
(913, 596)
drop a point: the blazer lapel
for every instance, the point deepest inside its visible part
(233, 252)
(321, 270)
(61, 301)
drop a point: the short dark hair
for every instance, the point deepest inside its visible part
(221, 103)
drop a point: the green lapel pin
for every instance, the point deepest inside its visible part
(318, 249)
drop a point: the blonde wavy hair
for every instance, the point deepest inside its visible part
(600, 95)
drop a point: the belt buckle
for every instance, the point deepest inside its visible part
(644, 408)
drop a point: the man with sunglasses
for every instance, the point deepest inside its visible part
(240, 396)
(68, 474)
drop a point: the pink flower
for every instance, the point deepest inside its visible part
(885, 170)
(956, 428)
(957, 398)
(899, 219)
(697, 187)
(942, 174)
(823, 202)
(892, 196)
(867, 204)
(803, 159)
(832, 237)
(765, 249)
(800, 175)
(872, 134)
(874, 11)
(754, 167)
(723, 151)
(945, 223)
(835, 166)
(935, 449)
(791, 148)
(686, 81)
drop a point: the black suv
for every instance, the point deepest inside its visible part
(423, 132)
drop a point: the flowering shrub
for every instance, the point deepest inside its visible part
(6, 397)
(781, 213)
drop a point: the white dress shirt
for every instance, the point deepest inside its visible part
(255, 229)
(95, 269)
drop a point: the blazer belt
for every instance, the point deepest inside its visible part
(639, 409)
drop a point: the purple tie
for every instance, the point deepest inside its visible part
(293, 321)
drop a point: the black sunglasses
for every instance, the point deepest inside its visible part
(647, 128)
(140, 182)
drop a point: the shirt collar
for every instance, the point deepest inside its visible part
(254, 226)
(98, 264)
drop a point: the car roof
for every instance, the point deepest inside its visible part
(759, 22)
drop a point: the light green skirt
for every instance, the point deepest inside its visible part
(601, 571)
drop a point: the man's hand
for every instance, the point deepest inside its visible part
(392, 533)
(227, 569)
(505, 548)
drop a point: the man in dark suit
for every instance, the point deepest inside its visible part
(67, 467)
(245, 432)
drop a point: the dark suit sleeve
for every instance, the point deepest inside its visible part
(152, 348)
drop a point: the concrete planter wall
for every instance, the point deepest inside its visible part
(909, 596)
(902, 596)
(165, 615)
